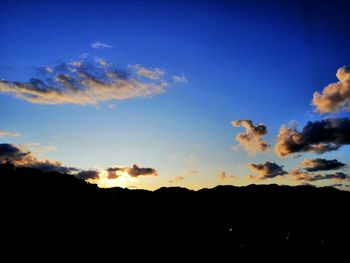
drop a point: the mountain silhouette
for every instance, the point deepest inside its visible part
(55, 205)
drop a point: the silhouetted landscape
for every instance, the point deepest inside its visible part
(58, 205)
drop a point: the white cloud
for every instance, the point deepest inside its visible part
(99, 45)
(179, 79)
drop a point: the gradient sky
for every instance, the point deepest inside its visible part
(256, 60)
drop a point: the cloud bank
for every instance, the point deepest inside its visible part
(87, 175)
(85, 82)
(317, 137)
(301, 176)
(20, 157)
(313, 165)
(251, 140)
(336, 96)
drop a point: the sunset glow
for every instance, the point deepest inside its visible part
(194, 94)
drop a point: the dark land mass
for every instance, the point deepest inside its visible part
(56, 206)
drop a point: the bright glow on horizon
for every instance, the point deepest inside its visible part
(109, 83)
(124, 180)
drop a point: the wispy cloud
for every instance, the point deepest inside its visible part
(336, 96)
(179, 79)
(183, 176)
(177, 179)
(150, 73)
(39, 148)
(223, 176)
(251, 140)
(99, 45)
(9, 133)
(317, 137)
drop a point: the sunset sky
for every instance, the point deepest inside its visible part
(164, 85)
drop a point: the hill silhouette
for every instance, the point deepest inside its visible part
(55, 205)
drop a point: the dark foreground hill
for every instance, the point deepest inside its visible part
(52, 205)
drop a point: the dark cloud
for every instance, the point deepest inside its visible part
(299, 175)
(312, 165)
(49, 165)
(21, 157)
(113, 172)
(136, 171)
(318, 137)
(334, 176)
(83, 82)
(251, 140)
(86, 175)
(267, 170)
(336, 96)
(11, 153)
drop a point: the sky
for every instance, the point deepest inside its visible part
(159, 83)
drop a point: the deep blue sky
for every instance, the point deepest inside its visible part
(258, 60)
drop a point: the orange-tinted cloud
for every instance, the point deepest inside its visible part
(251, 140)
(267, 170)
(223, 176)
(336, 96)
(150, 73)
(318, 137)
(176, 179)
(183, 176)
